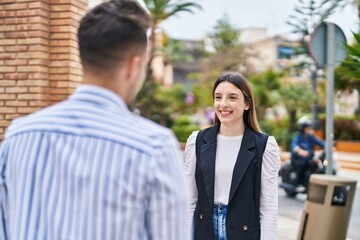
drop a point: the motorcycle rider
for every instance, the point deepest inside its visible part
(302, 150)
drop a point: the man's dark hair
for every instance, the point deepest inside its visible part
(111, 31)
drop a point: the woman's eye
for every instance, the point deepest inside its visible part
(217, 98)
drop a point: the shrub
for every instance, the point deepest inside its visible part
(183, 127)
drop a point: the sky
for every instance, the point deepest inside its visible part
(269, 14)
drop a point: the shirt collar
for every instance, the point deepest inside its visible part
(100, 96)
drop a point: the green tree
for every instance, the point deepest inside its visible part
(161, 10)
(265, 87)
(296, 97)
(347, 75)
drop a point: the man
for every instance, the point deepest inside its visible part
(302, 150)
(88, 168)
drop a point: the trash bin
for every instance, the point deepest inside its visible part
(327, 210)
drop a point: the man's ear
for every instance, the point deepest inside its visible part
(132, 66)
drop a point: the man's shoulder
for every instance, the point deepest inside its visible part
(130, 130)
(28, 122)
(151, 129)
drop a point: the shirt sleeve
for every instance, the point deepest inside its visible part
(166, 215)
(3, 193)
(318, 141)
(269, 190)
(190, 165)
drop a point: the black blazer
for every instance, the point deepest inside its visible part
(243, 217)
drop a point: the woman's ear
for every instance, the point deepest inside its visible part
(247, 105)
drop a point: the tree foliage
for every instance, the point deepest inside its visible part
(265, 88)
(347, 75)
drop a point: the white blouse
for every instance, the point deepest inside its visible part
(230, 146)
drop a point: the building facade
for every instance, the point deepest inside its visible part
(39, 62)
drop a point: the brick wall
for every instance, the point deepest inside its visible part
(39, 63)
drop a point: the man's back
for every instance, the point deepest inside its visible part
(88, 168)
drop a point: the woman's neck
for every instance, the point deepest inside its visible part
(232, 130)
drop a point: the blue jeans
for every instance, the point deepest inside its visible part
(219, 218)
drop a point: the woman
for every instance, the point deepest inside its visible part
(232, 169)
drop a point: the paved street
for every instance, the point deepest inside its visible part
(290, 210)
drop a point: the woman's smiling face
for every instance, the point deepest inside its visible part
(229, 103)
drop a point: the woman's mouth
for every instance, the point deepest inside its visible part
(225, 113)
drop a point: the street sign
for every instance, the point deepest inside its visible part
(328, 50)
(319, 42)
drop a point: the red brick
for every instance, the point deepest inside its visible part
(8, 97)
(40, 5)
(39, 103)
(8, 1)
(34, 12)
(6, 14)
(37, 34)
(16, 62)
(27, 109)
(41, 62)
(16, 90)
(32, 69)
(2, 89)
(6, 69)
(64, 21)
(62, 43)
(39, 19)
(34, 55)
(58, 29)
(59, 90)
(7, 28)
(17, 6)
(17, 48)
(38, 48)
(38, 75)
(7, 82)
(8, 42)
(28, 96)
(38, 40)
(33, 26)
(7, 110)
(38, 90)
(16, 103)
(16, 35)
(16, 20)
(7, 55)
(32, 83)
(16, 76)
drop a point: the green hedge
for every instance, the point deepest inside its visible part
(183, 127)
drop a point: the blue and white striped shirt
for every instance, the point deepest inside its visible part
(88, 168)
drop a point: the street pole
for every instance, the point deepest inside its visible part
(329, 96)
(315, 107)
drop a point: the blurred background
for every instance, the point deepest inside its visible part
(267, 41)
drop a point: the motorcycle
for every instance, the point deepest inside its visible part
(318, 165)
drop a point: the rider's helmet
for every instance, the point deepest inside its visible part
(303, 123)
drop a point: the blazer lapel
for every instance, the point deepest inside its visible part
(243, 160)
(208, 155)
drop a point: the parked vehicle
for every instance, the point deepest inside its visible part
(318, 165)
